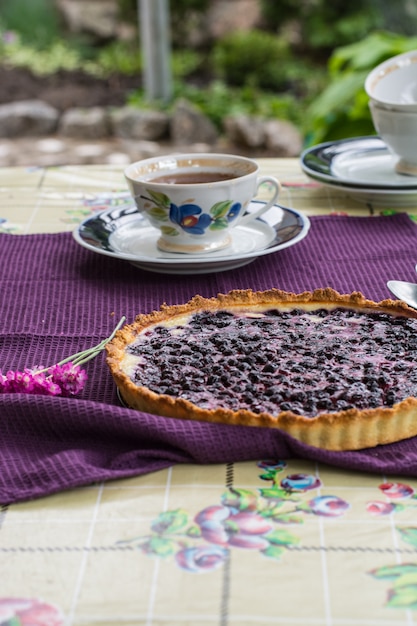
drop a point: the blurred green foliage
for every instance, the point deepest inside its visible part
(322, 24)
(118, 57)
(306, 62)
(36, 21)
(219, 100)
(341, 110)
(256, 57)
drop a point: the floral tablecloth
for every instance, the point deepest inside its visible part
(268, 541)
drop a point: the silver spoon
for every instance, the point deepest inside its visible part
(404, 291)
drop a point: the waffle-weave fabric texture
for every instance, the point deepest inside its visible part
(58, 298)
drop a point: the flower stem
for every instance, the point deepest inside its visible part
(86, 355)
(90, 353)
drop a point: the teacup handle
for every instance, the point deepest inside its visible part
(248, 217)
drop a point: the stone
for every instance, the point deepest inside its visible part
(225, 17)
(190, 126)
(245, 130)
(27, 118)
(131, 123)
(142, 149)
(221, 18)
(282, 138)
(96, 17)
(91, 123)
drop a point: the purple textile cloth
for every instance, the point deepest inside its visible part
(58, 298)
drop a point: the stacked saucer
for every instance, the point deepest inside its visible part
(363, 167)
(380, 169)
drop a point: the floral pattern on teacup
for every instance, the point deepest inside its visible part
(189, 217)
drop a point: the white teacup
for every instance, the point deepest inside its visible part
(393, 83)
(398, 129)
(195, 200)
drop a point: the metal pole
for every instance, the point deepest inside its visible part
(155, 42)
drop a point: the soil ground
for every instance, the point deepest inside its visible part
(64, 90)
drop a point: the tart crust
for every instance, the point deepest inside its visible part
(350, 429)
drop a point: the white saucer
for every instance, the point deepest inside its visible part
(123, 233)
(364, 168)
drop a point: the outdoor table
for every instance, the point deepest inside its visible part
(123, 545)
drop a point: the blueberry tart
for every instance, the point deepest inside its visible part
(334, 371)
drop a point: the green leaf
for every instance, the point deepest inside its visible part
(273, 552)
(169, 231)
(288, 518)
(161, 546)
(369, 52)
(159, 198)
(136, 541)
(242, 499)
(403, 598)
(281, 537)
(158, 214)
(394, 571)
(276, 493)
(338, 94)
(220, 209)
(409, 535)
(268, 475)
(406, 579)
(274, 510)
(194, 531)
(219, 224)
(171, 522)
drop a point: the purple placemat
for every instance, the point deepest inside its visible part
(58, 298)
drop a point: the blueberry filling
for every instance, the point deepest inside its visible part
(309, 362)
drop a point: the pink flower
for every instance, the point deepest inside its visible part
(29, 612)
(396, 491)
(244, 529)
(9, 37)
(380, 508)
(28, 381)
(65, 378)
(201, 559)
(328, 506)
(272, 465)
(69, 377)
(300, 482)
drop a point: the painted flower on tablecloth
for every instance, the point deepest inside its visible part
(401, 496)
(224, 526)
(397, 491)
(249, 519)
(272, 465)
(6, 226)
(287, 490)
(232, 528)
(328, 506)
(300, 482)
(201, 559)
(376, 508)
(93, 203)
(29, 612)
(402, 576)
